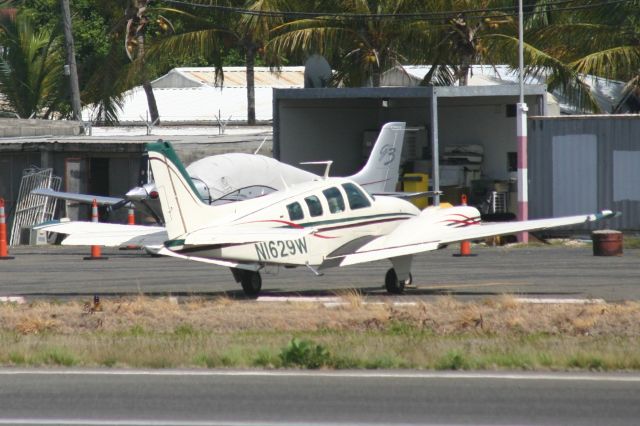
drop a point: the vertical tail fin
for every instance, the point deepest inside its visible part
(182, 208)
(380, 174)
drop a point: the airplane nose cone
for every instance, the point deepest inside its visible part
(138, 193)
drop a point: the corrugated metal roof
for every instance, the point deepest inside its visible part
(236, 77)
(606, 92)
(195, 104)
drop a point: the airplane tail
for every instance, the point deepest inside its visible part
(182, 208)
(381, 172)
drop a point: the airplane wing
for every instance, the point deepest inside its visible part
(406, 240)
(82, 233)
(82, 198)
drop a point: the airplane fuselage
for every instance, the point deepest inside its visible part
(335, 212)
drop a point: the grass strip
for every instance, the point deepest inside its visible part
(497, 333)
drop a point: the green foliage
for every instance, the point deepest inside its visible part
(586, 362)
(185, 330)
(305, 354)
(452, 360)
(56, 356)
(30, 67)
(136, 331)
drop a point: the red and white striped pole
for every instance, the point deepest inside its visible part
(4, 253)
(95, 250)
(523, 185)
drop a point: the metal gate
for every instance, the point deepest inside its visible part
(33, 209)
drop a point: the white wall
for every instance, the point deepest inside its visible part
(484, 122)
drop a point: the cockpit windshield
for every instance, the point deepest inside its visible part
(245, 193)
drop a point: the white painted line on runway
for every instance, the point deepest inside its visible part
(327, 301)
(309, 299)
(12, 299)
(150, 422)
(560, 301)
(588, 377)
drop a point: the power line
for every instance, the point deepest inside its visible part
(421, 16)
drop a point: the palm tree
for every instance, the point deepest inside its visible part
(360, 48)
(211, 36)
(136, 28)
(30, 67)
(602, 40)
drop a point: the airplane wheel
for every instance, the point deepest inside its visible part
(251, 283)
(392, 284)
(409, 280)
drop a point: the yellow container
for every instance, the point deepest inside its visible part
(416, 182)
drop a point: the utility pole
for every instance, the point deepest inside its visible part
(70, 68)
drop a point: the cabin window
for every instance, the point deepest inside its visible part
(334, 200)
(357, 199)
(295, 211)
(315, 207)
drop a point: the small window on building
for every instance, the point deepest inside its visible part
(314, 205)
(334, 200)
(295, 211)
(511, 110)
(512, 161)
(357, 199)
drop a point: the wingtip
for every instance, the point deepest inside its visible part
(604, 214)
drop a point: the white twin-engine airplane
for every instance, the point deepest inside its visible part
(331, 222)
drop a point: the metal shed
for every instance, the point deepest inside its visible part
(580, 164)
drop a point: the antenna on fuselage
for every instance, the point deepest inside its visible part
(327, 163)
(260, 147)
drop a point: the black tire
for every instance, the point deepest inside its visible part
(251, 283)
(392, 284)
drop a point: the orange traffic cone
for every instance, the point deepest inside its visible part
(131, 220)
(465, 246)
(95, 250)
(4, 253)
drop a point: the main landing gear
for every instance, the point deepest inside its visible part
(393, 284)
(250, 281)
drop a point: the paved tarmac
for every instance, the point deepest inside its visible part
(173, 397)
(544, 272)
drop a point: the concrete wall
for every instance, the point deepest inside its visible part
(15, 127)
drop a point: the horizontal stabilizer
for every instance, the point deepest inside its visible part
(105, 234)
(81, 198)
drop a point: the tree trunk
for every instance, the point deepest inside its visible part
(140, 21)
(376, 78)
(151, 103)
(251, 89)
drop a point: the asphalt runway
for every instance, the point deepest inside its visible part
(168, 397)
(536, 272)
